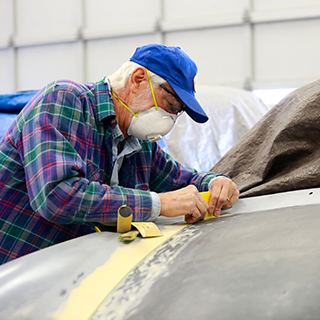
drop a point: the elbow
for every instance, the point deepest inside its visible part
(51, 212)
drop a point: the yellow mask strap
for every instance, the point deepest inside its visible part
(134, 113)
(154, 97)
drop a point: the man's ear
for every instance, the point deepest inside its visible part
(137, 80)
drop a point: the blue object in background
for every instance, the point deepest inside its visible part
(10, 105)
(14, 102)
(5, 121)
(163, 144)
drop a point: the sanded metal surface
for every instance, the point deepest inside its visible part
(34, 286)
(262, 265)
(260, 261)
(71, 279)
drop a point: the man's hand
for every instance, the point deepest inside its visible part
(224, 194)
(186, 201)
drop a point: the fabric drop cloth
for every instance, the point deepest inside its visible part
(282, 151)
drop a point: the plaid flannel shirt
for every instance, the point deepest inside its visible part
(56, 163)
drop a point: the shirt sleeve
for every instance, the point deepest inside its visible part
(168, 174)
(56, 140)
(156, 206)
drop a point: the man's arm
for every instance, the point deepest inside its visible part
(57, 141)
(179, 189)
(188, 201)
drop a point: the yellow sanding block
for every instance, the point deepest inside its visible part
(206, 196)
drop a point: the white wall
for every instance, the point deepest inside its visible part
(248, 44)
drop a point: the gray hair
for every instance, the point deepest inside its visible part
(120, 77)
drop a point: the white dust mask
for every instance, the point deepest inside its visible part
(151, 124)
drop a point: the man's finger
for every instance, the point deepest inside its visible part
(234, 197)
(224, 194)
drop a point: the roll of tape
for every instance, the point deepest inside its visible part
(124, 219)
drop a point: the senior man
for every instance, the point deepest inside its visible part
(78, 151)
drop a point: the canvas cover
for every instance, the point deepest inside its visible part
(232, 113)
(282, 150)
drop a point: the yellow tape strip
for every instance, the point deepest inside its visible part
(84, 300)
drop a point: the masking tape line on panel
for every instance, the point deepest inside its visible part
(85, 299)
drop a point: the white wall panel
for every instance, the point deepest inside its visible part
(121, 16)
(220, 54)
(104, 57)
(181, 9)
(40, 65)
(7, 70)
(241, 43)
(44, 20)
(287, 52)
(6, 23)
(259, 5)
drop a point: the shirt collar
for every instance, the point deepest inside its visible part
(105, 106)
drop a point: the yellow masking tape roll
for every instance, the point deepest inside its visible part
(124, 219)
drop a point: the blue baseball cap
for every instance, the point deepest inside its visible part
(176, 67)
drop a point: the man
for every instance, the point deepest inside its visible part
(77, 152)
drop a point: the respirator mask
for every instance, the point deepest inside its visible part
(151, 124)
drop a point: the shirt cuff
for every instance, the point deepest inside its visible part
(156, 206)
(218, 176)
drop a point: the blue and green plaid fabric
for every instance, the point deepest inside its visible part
(55, 165)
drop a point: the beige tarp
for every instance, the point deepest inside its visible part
(282, 151)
